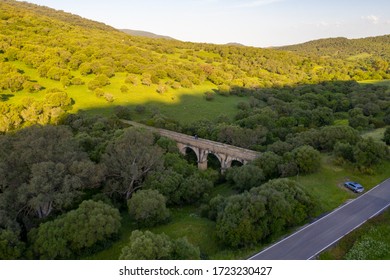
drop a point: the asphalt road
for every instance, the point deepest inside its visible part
(314, 238)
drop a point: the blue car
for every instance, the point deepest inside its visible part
(355, 187)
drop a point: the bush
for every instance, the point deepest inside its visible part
(209, 96)
(245, 177)
(77, 81)
(140, 109)
(122, 112)
(368, 153)
(150, 246)
(307, 159)
(124, 89)
(372, 246)
(148, 208)
(265, 211)
(77, 230)
(109, 97)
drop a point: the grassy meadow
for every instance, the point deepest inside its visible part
(184, 104)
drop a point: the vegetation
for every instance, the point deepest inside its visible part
(370, 242)
(96, 65)
(77, 184)
(266, 210)
(148, 207)
(77, 230)
(149, 246)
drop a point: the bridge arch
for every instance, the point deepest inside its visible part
(236, 162)
(212, 158)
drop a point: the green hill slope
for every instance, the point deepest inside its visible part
(47, 55)
(374, 51)
(145, 34)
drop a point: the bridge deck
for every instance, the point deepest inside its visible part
(212, 146)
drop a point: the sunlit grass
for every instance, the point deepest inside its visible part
(184, 105)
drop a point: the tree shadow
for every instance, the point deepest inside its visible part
(6, 97)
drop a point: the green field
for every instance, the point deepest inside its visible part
(184, 104)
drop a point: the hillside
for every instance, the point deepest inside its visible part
(145, 34)
(352, 49)
(45, 54)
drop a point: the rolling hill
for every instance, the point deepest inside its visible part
(345, 48)
(44, 51)
(145, 34)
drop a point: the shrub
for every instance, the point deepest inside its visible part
(149, 246)
(148, 208)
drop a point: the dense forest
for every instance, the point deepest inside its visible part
(71, 182)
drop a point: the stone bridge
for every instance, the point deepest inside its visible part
(226, 154)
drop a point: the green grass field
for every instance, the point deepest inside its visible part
(184, 104)
(327, 184)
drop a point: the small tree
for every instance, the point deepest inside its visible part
(368, 153)
(307, 158)
(150, 246)
(11, 248)
(129, 159)
(245, 177)
(124, 89)
(148, 208)
(77, 230)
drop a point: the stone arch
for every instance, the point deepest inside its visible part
(236, 162)
(183, 150)
(216, 156)
(230, 160)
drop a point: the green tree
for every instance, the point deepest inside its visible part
(147, 246)
(193, 188)
(308, 159)
(148, 208)
(11, 248)
(345, 151)
(368, 153)
(184, 250)
(167, 183)
(129, 159)
(264, 211)
(150, 246)
(242, 222)
(297, 205)
(75, 231)
(245, 177)
(268, 162)
(124, 89)
(357, 119)
(44, 170)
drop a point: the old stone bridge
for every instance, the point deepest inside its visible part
(226, 154)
